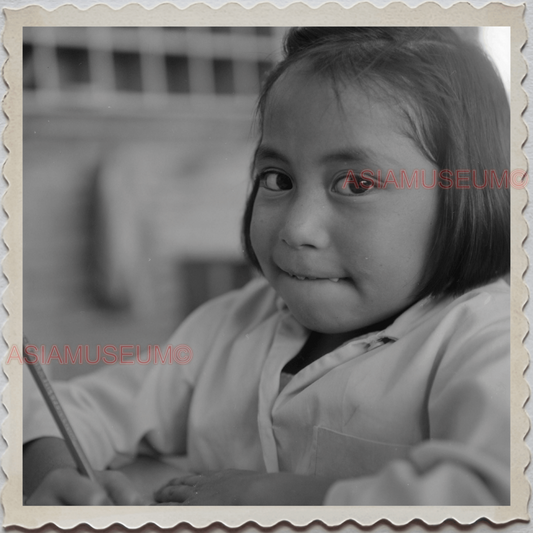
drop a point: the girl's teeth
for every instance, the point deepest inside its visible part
(302, 278)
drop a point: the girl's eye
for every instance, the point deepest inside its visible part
(351, 184)
(275, 181)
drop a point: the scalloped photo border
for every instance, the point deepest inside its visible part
(397, 14)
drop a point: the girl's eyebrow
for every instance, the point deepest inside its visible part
(265, 152)
(348, 154)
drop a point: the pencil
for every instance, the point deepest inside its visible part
(73, 445)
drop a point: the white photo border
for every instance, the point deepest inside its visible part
(462, 14)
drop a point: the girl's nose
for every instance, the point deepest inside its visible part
(305, 224)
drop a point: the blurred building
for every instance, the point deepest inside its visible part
(137, 147)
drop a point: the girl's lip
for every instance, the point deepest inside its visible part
(309, 277)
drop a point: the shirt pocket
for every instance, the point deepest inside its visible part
(345, 456)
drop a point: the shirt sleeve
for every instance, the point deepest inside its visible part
(121, 406)
(466, 460)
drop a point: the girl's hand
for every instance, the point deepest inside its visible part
(243, 487)
(66, 486)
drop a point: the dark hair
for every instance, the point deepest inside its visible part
(458, 116)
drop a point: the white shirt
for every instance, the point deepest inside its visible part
(417, 414)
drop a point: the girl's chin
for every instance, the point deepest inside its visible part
(322, 322)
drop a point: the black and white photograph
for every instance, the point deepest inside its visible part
(266, 271)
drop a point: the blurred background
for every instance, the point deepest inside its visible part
(137, 147)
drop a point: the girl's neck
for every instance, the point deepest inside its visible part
(319, 344)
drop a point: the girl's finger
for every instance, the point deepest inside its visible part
(174, 493)
(192, 480)
(182, 480)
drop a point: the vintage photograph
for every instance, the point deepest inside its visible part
(268, 266)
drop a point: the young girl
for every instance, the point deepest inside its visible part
(370, 363)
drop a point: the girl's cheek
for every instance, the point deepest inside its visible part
(257, 233)
(263, 235)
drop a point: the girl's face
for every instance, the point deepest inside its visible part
(341, 255)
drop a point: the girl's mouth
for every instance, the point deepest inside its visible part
(313, 278)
